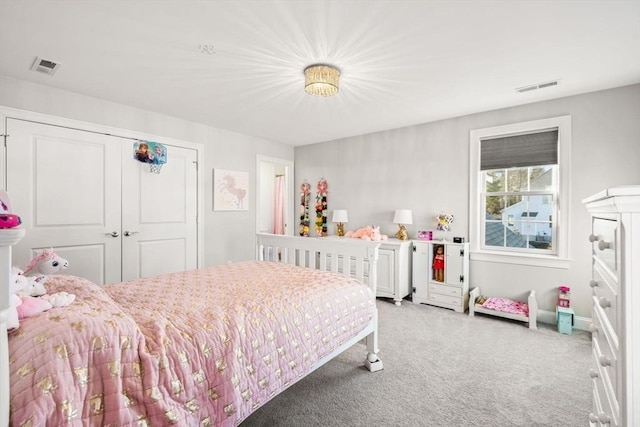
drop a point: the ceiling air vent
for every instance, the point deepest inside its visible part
(538, 86)
(45, 66)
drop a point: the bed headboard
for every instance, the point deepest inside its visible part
(355, 258)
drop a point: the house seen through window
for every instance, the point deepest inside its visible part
(518, 204)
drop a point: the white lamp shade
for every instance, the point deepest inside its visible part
(340, 215)
(403, 216)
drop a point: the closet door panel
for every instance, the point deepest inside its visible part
(159, 215)
(65, 185)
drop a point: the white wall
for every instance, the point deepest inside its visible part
(426, 168)
(229, 236)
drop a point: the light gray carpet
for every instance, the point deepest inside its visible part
(443, 368)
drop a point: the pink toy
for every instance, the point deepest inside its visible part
(367, 233)
(7, 219)
(45, 263)
(31, 306)
(564, 298)
(16, 284)
(23, 305)
(29, 294)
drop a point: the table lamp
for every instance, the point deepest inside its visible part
(340, 216)
(402, 217)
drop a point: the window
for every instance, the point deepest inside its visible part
(520, 191)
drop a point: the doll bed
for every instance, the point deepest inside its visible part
(504, 307)
(202, 347)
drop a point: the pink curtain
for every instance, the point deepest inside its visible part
(278, 205)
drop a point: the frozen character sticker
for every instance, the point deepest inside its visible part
(150, 152)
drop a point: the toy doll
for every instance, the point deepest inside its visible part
(438, 264)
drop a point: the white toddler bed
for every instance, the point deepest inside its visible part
(504, 307)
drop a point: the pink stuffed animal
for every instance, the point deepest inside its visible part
(367, 233)
(29, 295)
(31, 306)
(16, 284)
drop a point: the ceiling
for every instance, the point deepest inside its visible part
(238, 65)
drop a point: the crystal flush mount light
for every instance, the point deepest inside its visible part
(321, 80)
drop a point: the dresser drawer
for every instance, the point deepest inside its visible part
(602, 413)
(452, 291)
(606, 298)
(602, 331)
(605, 295)
(605, 402)
(605, 359)
(445, 299)
(605, 241)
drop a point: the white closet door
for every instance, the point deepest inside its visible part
(65, 185)
(159, 214)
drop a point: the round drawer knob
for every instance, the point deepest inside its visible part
(593, 373)
(604, 361)
(593, 238)
(593, 283)
(604, 303)
(593, 328)
(602, 245)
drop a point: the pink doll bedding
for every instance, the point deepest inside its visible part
(506, 305)
(203, 347)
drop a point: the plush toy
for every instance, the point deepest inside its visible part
(60, 299)
(31, 306)
(7, 219)
(29, 295)
(34, 287)
(46, 262)
(17, 282)
(367, 233)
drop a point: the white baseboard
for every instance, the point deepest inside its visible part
(581, 323)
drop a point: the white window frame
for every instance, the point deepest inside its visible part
(561, 258)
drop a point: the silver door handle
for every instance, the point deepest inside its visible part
(130, 233)
(112, 234)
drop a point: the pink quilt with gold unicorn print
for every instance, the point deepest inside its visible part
(204, 347)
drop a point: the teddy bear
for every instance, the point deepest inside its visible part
(367, 233)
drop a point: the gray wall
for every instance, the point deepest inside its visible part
(426, 168)
(229, 236)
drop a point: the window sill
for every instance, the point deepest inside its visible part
(530, 260)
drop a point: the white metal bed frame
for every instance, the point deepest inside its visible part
(357, 259)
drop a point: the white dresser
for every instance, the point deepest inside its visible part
(615, 371)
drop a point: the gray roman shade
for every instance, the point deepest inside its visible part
(529, 149)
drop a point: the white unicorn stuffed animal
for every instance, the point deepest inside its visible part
(45, 263)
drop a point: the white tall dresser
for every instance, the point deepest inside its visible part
(615, 371)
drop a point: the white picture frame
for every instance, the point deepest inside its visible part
(230, 190)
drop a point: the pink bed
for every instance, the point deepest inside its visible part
(205, 347)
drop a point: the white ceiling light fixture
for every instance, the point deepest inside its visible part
(321, 80)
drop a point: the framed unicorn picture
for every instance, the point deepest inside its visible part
(230, 190)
